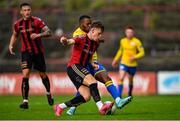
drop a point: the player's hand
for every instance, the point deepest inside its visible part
(63, 40)
(95, 66)
(132, 58)
(114, 64)
(11, 50)
(34, 36)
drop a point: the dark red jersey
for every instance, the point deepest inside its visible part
(25, 28)
(82, 51)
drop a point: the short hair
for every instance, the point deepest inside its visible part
(129, 27)
(82, 17)
(24, 4)
(97, 24)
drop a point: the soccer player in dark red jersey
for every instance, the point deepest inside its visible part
(83, 48)
(29, 28)
(96, 69)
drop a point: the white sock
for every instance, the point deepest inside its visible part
(99, 104)
(25, 100)
(117, 99)
(48, 93)
(72, 108)
(63, 105)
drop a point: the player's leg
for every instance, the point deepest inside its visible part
(93, 90)
(129, 71)
(46, 83)
(39, 64)
(125, 101)
(25, 88)
(82, 98)
(25, 66)
(84, 77)
(122, 74)
(91, 82)
(130, 75)
(72, 110)
(104, 78)
(77, 75)
(101, 75)
(130, 85)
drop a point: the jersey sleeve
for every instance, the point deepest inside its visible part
(75, 34)
(16, 28)
(41, 24)
(119, 52)
(78, 39)
(140, 49)
(78, 32)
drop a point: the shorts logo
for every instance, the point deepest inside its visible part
(122, 67)
(78, 79)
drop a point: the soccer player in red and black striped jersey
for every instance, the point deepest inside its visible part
(31, 29)
(83, 48)
(96, 69)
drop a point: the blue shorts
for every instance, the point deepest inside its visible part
(93, 71)
(128, 69)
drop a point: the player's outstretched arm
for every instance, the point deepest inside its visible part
(12, 42)
(46, 33)
(66, 41)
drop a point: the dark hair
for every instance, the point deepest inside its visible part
(82, 17)
(24, 4)
(97, 24)
(129, 27)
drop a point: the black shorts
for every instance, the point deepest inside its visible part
(35, 60)
(77, 74)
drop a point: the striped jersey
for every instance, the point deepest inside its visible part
(79, 32)
(25, 28)
(83, 50)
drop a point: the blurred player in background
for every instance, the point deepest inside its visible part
(130, 50)
(83, 48)
(95, 68)
(29, 28)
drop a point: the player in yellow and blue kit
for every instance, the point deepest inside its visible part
(96, 69)
(129, 52)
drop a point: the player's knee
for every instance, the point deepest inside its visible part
(42, 74)
(120, 81)
(87, 97)
(89, 79)
(26, 75)
(106, 79)
(131, 82)
(121, 78)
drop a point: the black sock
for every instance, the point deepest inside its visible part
(46, 83)
(94, 92)
(75, 101)
(25, 88)
(130, 90)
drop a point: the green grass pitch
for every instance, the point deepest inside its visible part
(141, 108)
